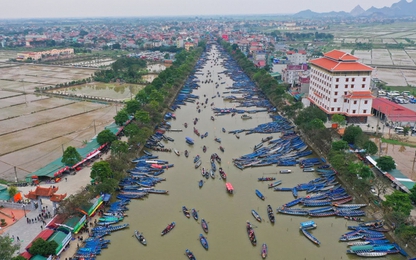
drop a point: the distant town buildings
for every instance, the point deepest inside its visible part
(340, 84)
(38, 55)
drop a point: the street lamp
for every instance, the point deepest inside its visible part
(24, 209)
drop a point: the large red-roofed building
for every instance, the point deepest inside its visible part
(340, 84)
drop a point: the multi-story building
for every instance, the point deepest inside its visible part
(340, 84)
(291, 73)
(296, 57)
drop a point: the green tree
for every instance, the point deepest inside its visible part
(12, 190)
(132, 106)
(308, 114)
(351, 133)
(339, 145)
(386, 163)
(398, 201)
(361, 170)
(316, 124)
(107, 186)
(43, 248)
(7, 248)
(101, 171)
(371, 147)
(412, 195)
(406, 232)
(19, 257)
(338, 119)
(131, 130)
(71, 156)
(106, 136)
(121, 117)
(119, 147)
(142, 116)
(73, 203)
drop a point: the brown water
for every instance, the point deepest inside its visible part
(104, 90)
(226, 214)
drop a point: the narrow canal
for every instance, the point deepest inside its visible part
(226, 214)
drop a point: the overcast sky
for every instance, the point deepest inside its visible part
(105, 8)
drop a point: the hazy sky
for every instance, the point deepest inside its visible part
(100, 8)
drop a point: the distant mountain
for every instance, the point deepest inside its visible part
(358, 10)
(400, 9)
(311, 14)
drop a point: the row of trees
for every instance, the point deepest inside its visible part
(146, 110)
(129, 69)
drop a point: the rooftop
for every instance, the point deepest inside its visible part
(338, 66)
(340, 56)
(393, 111)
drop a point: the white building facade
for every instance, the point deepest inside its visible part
(296, 57)
(339, 84)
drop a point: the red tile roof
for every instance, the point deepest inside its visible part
(57, 197)
(359, 95)
(45, 234)
(393, 111)
(340, 55)
(42, 192)
(332, 65)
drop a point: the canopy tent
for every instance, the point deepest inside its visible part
(4, 193)
(56, 166)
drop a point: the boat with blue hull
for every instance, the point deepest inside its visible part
(260, 195)
(310, 237)
(194, 214)
(204, 225)
(204, 241)
(256, 215)
(190, 255)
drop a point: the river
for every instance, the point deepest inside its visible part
(226, 214)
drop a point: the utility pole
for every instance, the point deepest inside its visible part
(413, 166)
(378, 120)
(63, 149)
(15, 172)
(95, 129)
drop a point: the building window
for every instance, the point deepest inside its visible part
(352, 85)
(335, 100)
(364, 79)
(339, 109)
(336, 86)
(336, 93)
(365, 102)
(353, 111)
(332, 109)
(353, 79)
(355, 102)
(346, 86)
(337, 80)
(347, 79)
(365, 111)
(347, 110)
(363, 86)
(345, 100)
(345, 93)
